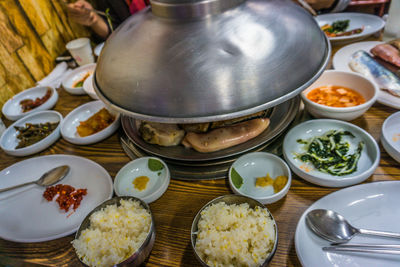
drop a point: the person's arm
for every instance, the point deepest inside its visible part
(81, 12)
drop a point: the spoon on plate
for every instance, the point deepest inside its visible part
(48, 178)
(333, 227)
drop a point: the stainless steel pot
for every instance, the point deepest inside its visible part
(198, 61)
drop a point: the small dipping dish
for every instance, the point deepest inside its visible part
(259, 164)
(138, 179)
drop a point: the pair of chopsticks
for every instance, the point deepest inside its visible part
(368, 248)
(306, 6)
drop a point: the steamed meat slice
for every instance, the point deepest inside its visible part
(162, 134)
(225, 137)
(388, 53)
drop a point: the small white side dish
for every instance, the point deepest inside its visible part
(82, 113)
(9, 140)
(368, 89)
(98, 48)
(12, 108)
(88, 87)
(390, 137)
(76, 75)
(367, 163)
(259, 164)
(156, 186)
(370, 23)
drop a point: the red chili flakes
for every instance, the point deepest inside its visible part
(67, 196)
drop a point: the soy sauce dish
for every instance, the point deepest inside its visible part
(262, 176)
(331, 153)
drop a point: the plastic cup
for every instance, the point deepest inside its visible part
(81, 51)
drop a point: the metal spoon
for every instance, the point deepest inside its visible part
(334, 227)
(49, 178)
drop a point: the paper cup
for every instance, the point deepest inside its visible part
(81, 51)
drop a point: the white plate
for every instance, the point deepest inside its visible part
(368, 162)
(156, 186)
(341, 62)
(370, 206)
(88, 87)
(98, 48)
(82, 113)
(259, 164)
(371, 24)
(12, 109)
(77, 74)
(27, 217)
(390, 137)
(9, 140)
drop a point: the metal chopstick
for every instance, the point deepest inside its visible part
(369, 248)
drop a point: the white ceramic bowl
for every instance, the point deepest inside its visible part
(9, 140)
(76, 75)
(82, 113)
(368, 162)
(156, 186)
(259, 164)
(368, 89)
(12, 109)
(88, 87)
(390, 137)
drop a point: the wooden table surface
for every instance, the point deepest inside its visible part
(175, 210)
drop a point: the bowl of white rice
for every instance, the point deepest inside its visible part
(118, 232)
(234, 230)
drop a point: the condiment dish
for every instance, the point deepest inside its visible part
(82, 113)
(229, 200)
(140, 255)
(368, 89)
(370, 24)
(9, 140)
(390, 137)
(12, 108)
(367, 163)
(88, 87)
(153, 187)
(70, 80)
(259, 164)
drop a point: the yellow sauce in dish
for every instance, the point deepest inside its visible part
(335, 96)
(140, 182)
(278, 183)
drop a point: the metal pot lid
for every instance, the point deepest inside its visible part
(210, 60)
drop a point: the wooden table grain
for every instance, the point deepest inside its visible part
(175, 210)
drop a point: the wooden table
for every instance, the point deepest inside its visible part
(175, 210)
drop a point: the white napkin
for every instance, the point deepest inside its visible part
(55, 77)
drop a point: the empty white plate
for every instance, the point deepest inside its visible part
(82, 113)
(9, 140)
(27, 217)
(75, 76)
(12, 108)
(390, 137)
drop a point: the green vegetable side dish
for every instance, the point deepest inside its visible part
(155, 165)
(340, 26)
(237, 180)
(33, 133)
(329, 153)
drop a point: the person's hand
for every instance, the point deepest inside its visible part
(320, 4)
(81, 12)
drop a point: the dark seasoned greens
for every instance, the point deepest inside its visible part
(33, 133)
(330, 154)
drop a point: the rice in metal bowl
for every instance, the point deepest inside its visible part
(114, 234)
(234, 235)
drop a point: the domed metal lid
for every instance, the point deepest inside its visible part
(210, 60)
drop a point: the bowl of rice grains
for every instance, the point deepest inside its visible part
(118, 232)
(234, 230)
